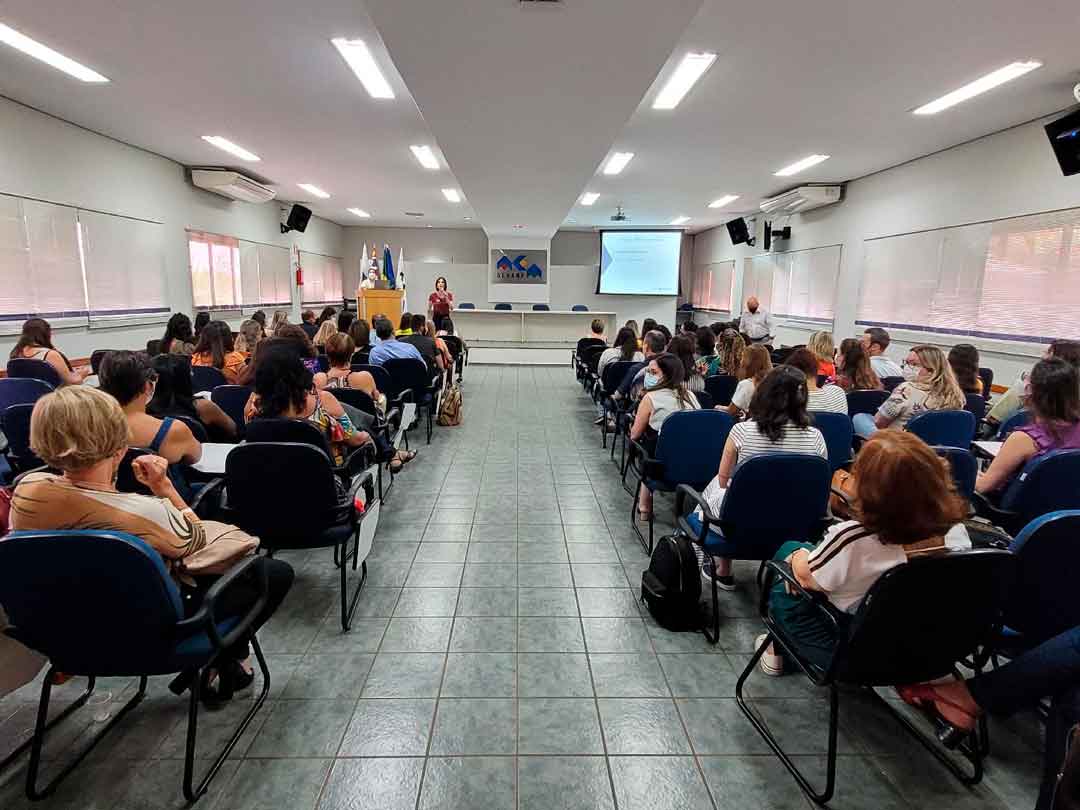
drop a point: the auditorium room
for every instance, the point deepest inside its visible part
(539, 405)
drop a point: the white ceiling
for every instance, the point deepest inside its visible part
(526, 103)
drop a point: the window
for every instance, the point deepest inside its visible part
(711, 287)
(124, 261)
(1012, 279)
(798, 284)
(322, 279)
(229, 273)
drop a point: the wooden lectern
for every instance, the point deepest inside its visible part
(370, 303)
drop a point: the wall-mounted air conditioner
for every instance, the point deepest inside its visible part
(801, 199)
(232, 184)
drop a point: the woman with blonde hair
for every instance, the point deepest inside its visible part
(281, 317)
(755, 365)
(823, 348)
(929, 385)
(251, 332)
(326, 331)
(731, 347)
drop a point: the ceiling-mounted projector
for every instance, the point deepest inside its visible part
(619, 216)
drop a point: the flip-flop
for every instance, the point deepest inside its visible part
(929, 700)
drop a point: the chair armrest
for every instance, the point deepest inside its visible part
(15, 481)
(648, 466)
(842, 496)
(212, 485)
(708, 519)
(986, 509)
(205, 618)
(818, 600)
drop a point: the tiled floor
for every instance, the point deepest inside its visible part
(499, 659)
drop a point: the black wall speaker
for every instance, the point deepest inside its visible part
(299, 216)
(739, 232)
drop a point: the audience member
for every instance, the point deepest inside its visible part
(327, 314)
(201, 320)
(829, 398)
(647, 326)
(307, 323)
(929, 385)
(708, 361)
(260, 316)
(217, 349)
(417, 336)
(653, 345)
(173, 396)
(327, 330)
(83, 433)
(344, 321)
(853, 369)
(689, 328)
(281, 317)
(404, 325)
(339, 351)
(440, 345)
(755, 366)
(594, 338)
(1054, 402)
(876, 340)
(251, 332)
(178, 339)
(389, 348)
(731, 348)
(717, 328)
(662, 329)
(683, 348)
(906, 508)
(823, 348)
(1012, 401)
(624, 348)
(305, 349)
(360, 332)
(964, 359)
(35, 343)
(778, 422)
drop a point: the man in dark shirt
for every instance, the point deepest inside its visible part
(424, 344)
(596, 338)
(654, 343)
(307, 323)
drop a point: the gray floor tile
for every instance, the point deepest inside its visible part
(405, 675)
(544, 575)
(484, 634)
(558, 726)
(553, 675)
(635, 675)
(328, 676)
(542, 551)
(488, 602)
(409, 634)
(495, 532)
(262, 783)
(302, 728)
(434, 575)
(608, 602)
(490, 575)
(540, 533)
(476, 675)
(599, 575)
(493, 552)
(558, 783)
(427, 602)
(477, 783)
(642, 726)
(432, 552)
(658, 783)
(550, 634)
(474, 726)
(717, 726)
(388, 728)
(616, 635)
(387, 784)
(698, 674)
(446, 533)
(752, 782)
(547, 602)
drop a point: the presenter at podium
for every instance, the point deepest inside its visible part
(370, 280)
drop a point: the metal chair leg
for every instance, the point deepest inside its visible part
(348, 606)
(78, 703)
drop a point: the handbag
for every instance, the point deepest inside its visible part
(842, 482)
(225, 546)
(1067, 789)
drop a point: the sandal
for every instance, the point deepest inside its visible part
(958, 722)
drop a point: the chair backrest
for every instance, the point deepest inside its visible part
(232, 399)
(705, 400)
(294, 431)
(921, 617)
(91, 601)
(690, 446)
(503, 307)
(466, 305)
(1046, 484)
(98, 355)
(1019, 419)
(614, 373)
(125, 477)
(15, 422)
(721, 387)
(206, 378)
(964, 468)
(579, 308)
(378, 373)
(282, 510)
(21, 390)
(987, 377)
(1043, 600)
(891, 382)
(153, 347)
(865, 401)
(975, 404)
(944, 428)
(197, 428)
(354, 397)
(541, 308)
(34, 369)
(453, 345)
(838, 433)
(590, 356)
(361, 356)
(750, 515)
(407, 374)
(323, 361)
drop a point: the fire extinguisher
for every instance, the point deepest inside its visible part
(299, 276)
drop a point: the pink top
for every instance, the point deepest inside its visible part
(1067, 438)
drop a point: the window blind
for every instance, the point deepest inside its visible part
(216, 276)
(124, 262)
(322, 278)
(711, 288)
(796, 284)
(1011, 279)
(264, 275)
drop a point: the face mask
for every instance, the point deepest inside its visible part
(651, 380)
(910, 372)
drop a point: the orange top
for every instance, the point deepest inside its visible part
(234, 364)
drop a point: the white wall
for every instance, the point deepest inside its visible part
(48, 159)
(1008, 174)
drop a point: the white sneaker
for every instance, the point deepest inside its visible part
(771, 665)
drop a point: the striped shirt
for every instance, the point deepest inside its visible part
(828, 398)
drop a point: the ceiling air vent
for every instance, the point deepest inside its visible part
(414, 213)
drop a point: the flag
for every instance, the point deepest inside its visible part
(401, 280)
(388, 267)
(363, 266)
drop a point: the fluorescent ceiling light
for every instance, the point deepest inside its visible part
(21, 42)
(359, 212)
(425, 156)
(452, 195)
(680, 220)
(977, 87)
(315, 190)
(617, 162)
(692, 68)
(589, 197)
(801, 165)
(226, 145)
(359, 58)
(727, 199)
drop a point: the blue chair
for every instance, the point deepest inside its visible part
(705, 400)
(324, 363)
(721, 387)
(751, 526)
(15, 423)
(466, 306)
(944, 428)
(865, 401)
(21, 390)
(837, 431)
(1019, 419)
(125, 620)
(605, 387)
(410, 375)
(503, 307)
(688, 452)
(35, 370)
(964, 467)
(541, 308)
(378, 373)
(232, 399)
(206, 378)
(579, 308)
(1046, 484)
(975, 404)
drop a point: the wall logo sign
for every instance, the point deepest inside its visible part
(518, 267)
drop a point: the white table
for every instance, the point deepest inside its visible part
(988, 449)
(522, 326)
(213, 458)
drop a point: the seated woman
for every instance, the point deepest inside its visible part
(665, 393)
(829, 398)
(339, 351)
(624, 348)
(310, 357)
(1054, 402)
(730, 347)
(216, 348)
(327, 314)
(683, 348)
(440, 345)
(178, 339)
(447, 328)
(777, 423)
(906, 507)
(1013, 400)
(173, 397)
(201, 320)
(82, 432)
(326, 331)
(708, 362)
(130, 379)
(853, 369)
(929, 385)
(251, 332)
(756, 363)
(964, 361)
(279, 319)
(360, 332)
(35, 343)
(821, 346)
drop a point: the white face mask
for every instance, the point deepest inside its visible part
(910, 372)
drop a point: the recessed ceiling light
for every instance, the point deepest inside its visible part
(692, 68)
(977, 87)
(468, 219)
(570, 220)
(359, 58)
(228, 146)
(680, 220)
(31, 47)
(589, 197)
(801, 165)
(315, 190)
(360, 212)
(425, 156)
(518, 227)
(617, 162)
(452, 195)
(431, 226)
(727, 199)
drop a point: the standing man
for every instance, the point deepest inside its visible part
(756, 323)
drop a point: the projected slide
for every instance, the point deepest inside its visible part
(640, 262)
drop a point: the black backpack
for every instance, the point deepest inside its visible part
(671, 586)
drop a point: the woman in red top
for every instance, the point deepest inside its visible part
(440, 302)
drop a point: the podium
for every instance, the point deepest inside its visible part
(370, 303)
